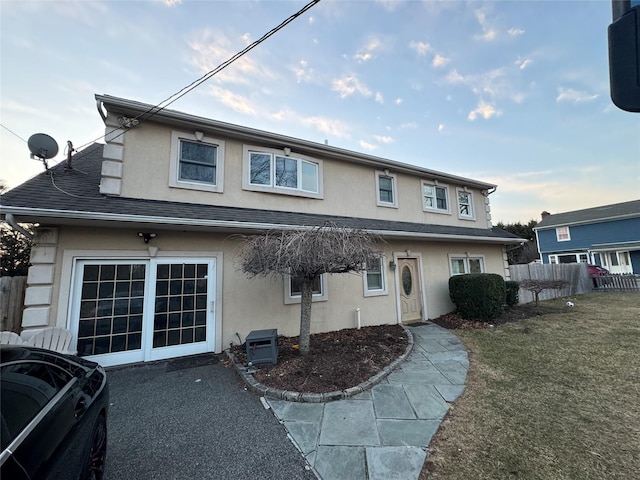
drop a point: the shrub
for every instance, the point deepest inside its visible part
(512, 289)
(478, 296)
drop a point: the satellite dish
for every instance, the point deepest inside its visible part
(42, 146)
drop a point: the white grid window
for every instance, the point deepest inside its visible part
(375, 281)
(563, 234)
(386, 192)
(467, 264)
(465, 204)
(435, 198)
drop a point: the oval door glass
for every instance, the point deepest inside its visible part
(407, 280)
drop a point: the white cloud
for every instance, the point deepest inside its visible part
(383, 139)
(574, 96)
(523, 63)
(398, 101)
(302, 71)
(484, 110)
(349, 85)
(233, 101)
(488, 33)
(514, 32)
(312, 20)
(454, 77)
(367, 146)
(408, 126)
(439, 61)
(421, 48)
(367, 52)
(172, 3)
(389, 5)
(333, 128)
(379, 98)
(441, 127)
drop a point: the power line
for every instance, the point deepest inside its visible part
(12, 132)
(196, 83)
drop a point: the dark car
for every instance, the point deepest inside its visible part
(54, 415)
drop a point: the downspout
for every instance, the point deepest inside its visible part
(13, 224)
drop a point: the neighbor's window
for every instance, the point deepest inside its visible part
(562, 234)
(386, 187)
(435, 198)
(293, 289)
(196, 162)
(375, 282)
(465, 204)
(462, 265)
(271, 170)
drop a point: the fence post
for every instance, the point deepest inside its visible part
(12, 290)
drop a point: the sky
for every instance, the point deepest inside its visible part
(514, 93)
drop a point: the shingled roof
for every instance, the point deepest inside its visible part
(616, 211)
(71, 195)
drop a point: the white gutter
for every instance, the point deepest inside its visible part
(14, 224)
(117, 217)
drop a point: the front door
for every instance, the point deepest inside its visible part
(410, 292)
(133, 311)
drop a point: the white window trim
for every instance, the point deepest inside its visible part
(246, 173)
(289, 299)
(394, 189)
(563, 239)
(174, 172)
(466, 257)
(472, 216)
(435, 210)
(377, 291)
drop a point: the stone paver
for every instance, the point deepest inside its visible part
(382, 433)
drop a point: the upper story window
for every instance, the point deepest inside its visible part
(197, 162)
(268, 170)
(563, 234)
(466, 264)
(386, 189)
(375, 281)
(435, 198)
(465, 204)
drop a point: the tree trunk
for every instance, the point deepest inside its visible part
(305, 315)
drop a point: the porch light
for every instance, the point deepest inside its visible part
(147, 236)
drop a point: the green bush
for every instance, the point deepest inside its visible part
(478, 296)
(512, 293)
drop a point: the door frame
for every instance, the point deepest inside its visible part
(68, 281)
(409, 255)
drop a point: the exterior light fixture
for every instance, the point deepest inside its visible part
(147, 236)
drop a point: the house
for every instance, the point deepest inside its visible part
(608, 236)
(135, 251)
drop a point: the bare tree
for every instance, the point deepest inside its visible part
(538, 286)
(305, 254)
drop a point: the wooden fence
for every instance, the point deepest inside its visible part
(575, 274)
(12, 302)
(617, 283)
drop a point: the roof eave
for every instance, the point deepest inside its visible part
(226, 224)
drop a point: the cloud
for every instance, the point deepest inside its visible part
(493, 84)
(488, 33)
(389, 5)
(398, 101)
(441, 127)
(367, 146)
(439, 61)
(302, 71)
(484, 110)
(235, 102)
(211, 48)
(515, 32)
(574, 96)
(383, 139)
(523, 63)
(379, 98)
(333, 128)
(350, 85)
(367, 52)
(421, 48)
(172, 3)
(408, 126)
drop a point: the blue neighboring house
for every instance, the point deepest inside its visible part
(608, 236)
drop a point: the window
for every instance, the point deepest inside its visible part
(386, 189)
(434, 198)
(293, 289)
(276, 171)
(562, 234)
(465, 204)
(196, 162)
(467, 264)
(375, 282)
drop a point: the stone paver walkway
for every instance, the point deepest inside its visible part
(382, 433)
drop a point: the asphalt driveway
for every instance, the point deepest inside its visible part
(193, 419)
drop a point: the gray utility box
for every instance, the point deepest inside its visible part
(262, 346)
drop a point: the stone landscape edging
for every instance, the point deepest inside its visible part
(303, 397)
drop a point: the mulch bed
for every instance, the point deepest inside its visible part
(336, 361)
(454, 321)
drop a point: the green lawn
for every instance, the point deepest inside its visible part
(553, 397)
